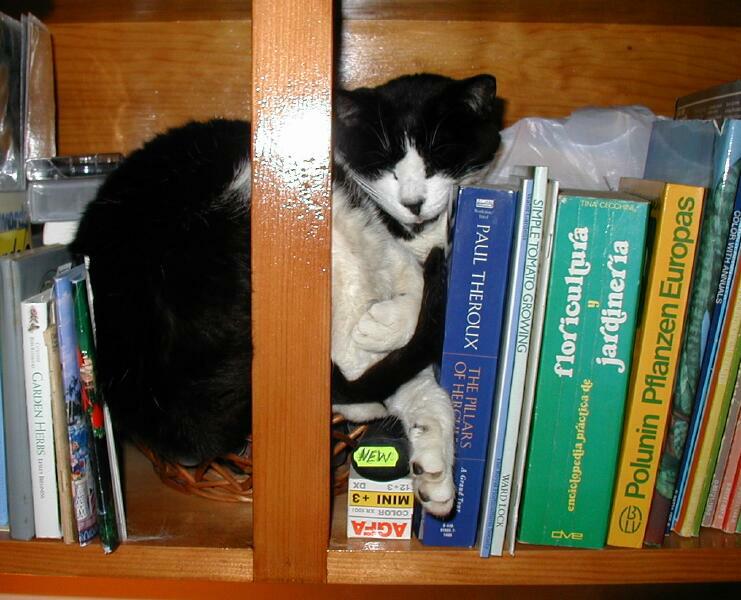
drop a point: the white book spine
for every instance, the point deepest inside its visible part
(522, 348)
(34, 319)
(536, 338)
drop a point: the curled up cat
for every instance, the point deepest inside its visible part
(168, 237)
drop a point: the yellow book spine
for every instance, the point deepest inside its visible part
(677, 215)
(15, 240)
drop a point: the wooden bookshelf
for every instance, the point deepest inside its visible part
(128, 69)
(167, 529)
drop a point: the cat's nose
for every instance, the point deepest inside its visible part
(415, 207)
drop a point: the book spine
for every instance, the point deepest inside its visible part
(61, 439)
(584, 368)
(677, 215)
(83, 487)
(18, 460)
(713, 234)
(40, 429)
(505, 368)
(731, 521)
(503, 494)
(729, 475)
(536, 339)
(715, 493)
(482, 235)
(714, 391)
(93, 408)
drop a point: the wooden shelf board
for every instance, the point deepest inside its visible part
(712, 557)
(168, 531)
(53, 558)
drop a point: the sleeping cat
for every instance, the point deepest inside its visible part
(168, 237)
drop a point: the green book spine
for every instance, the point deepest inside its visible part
(588, 334)
(107, 529)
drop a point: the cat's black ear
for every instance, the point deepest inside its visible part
(480, 93)
(348, 106)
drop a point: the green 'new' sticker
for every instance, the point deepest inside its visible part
(376, 456)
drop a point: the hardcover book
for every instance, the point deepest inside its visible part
(708, 263)
(588, 333)
(726, 175)
(676, 213)
(22, 275)
(81, 460)
(478, 266)
(34, 320)
(536, 338)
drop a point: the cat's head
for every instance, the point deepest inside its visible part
(406, 145)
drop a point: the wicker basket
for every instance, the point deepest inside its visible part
(229, 478)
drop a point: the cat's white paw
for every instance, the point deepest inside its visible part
(386, 325)
(432, 466)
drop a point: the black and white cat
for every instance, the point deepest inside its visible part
(168, 237)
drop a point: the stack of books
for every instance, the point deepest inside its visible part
(62, 481)
(605, 347)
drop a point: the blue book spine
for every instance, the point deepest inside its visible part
(710, 355)
(506, 366)
(478, 267)
(81, 463)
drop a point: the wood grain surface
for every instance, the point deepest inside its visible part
(291, 263)
(120, 83)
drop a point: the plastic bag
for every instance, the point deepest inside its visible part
(591, 149)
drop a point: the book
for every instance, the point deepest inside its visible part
(731, 519)
(732, 442)
(676, 213)
(500, 465)
(78, 431)
(725, 384)
(484, 219)
(721, 359)
(583, 375)
(505, 368)
(536, 337)
(110, 437)
(93, 408)
(718, 102)
(21, 275)
(725, 184)
(34, 320)
(708, 263)
(15, 225)
(61, 438)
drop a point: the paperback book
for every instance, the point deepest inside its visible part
(708, 263)
(81, 448)
(725, 183)
(536, 338)
(22, 275)
(478, 265)
(516, 343)
(588, 333)
(35, 320)
(676, 212)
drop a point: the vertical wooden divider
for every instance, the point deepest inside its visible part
(291, 262)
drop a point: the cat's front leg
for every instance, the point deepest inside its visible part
(425, 410)
(390, 323)
(387, 324)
